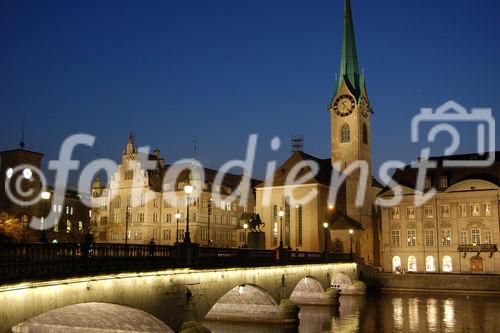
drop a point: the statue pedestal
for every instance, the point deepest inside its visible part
(256, 240)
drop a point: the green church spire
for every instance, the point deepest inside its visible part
(349, 69)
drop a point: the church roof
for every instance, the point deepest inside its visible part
(322, 177)
(407, 176)
(340, 221)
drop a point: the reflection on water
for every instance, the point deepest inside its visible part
(388, 313)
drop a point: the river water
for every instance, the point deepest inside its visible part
(390, 312)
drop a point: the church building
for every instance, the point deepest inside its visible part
(321, 223)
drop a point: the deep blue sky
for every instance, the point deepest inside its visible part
(220, 70)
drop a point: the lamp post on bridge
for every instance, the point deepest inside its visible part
(281, 213)
(325, 226)
(188, 189)
(245, 226)
(177, 218)
(350, 236)
(127, 218)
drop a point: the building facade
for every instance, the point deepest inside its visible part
(20, 165)
(141, 204)
(456, 231)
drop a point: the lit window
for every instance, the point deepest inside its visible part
(446, 237)
(474, 210)
(299, 213)
(80, 225)
(443, 182)
(462, 210)
(114, 235)
(429, 237)
(488, 237)
(410, 212)
(275, 225)
(395, 238)
(396, 263)
(427, 183)
(463, 237)
(447, 264)
(475, 236)
(445, 211)
(56, 226)
(486, 209)
(68, 226)
(412, 264)
(429, 264)
(428, 212)
(412, 237)
(395, 214)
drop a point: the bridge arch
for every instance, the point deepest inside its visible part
(250, 302)
(310, 291)
(93, 317)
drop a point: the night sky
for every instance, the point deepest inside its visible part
(218, 71)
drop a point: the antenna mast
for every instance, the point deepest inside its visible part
(297, 143)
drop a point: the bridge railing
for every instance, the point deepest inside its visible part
(40, 260)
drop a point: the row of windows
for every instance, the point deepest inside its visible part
(168, 235)
(345, 134)
(168, 218)
(430, 265)
(181, 202)
(475, 237)
(443, 183)
(58, 209)
(69, 226)
(463, 210)
(287, 224)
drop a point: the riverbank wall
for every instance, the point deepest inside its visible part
(464, 283)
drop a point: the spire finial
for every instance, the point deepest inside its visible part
(194, 148)
(349, 70)
(22, 144)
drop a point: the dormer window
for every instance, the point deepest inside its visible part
(427, 183)
(443, 182)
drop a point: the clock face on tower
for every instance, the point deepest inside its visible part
(344, 105)
(364, 107)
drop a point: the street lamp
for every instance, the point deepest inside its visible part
(45, 195)
(127, 217)
(245, 226)
(350, 235)
(325, 226)
(177, 218)
(209, 213)
(281, 213)
(188, 189)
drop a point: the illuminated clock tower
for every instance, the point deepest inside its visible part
(350, 128)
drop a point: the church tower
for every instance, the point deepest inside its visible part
(350, 129)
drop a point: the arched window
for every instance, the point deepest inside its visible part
(396, 264)
(337, 245)
(412, 264)
(365, 134)
(447, 264)
(275, 225)
(429, 264)
(345, 133)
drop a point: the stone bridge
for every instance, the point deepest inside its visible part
(167, 297)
